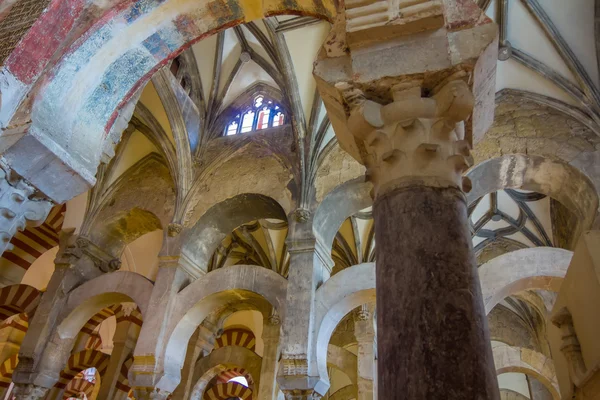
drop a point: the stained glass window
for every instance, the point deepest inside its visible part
(261, 114)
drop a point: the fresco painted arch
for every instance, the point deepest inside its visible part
(100, 69)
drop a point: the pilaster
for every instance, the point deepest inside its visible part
(40, 358)
(124, 341)
(365, 336)
(146, 375)
(298, 374)
(270, 359)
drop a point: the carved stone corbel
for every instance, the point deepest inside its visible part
(72, 248)
(18, 207)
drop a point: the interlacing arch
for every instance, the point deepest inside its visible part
(237, 337)
(224, 391)
(17, 299)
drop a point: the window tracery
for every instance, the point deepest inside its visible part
(262, 113)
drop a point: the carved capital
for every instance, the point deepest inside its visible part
(73, 248)
(174, 229)
(128, 308)
(18, 207)
(376, 50)
(415, 138)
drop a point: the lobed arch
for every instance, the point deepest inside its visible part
(532, 268)
(124, 47)
(202, 239)
(528, 362)
(221, 360)
(339, 295)
(17, 299)
(556, 179)
(222, 287)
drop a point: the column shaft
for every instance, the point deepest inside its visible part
(365, 335)
(270, 361)
(433, 341)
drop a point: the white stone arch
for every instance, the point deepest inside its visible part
(339, 295)
(222, 287)
(561, 181)
(200, 241)
(96, 294)
(339, 204)
(528, 362)
(533, 268)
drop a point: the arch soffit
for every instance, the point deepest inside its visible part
(221, 359)
(94, 295)
(339, 295)
(217, 288)
(339, 204)
(556, 179)
(529, 362)
(532, 268)
(203, 238)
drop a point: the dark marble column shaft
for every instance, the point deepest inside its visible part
(432, 335)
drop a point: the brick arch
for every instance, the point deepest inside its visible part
(6, 370)
(80, 361)
(237, 337)
(224, 391)
(123, 381)
(29, 244)
(78, 385)
(92, 323)
(230, 373)
(17, 299)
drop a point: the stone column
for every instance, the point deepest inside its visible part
(124, 340)
(298, 377)
(42, 355)
(18, 206)
(365, 336)
(270, 358)
(408, 87)
(433, 340)
(146, 376)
